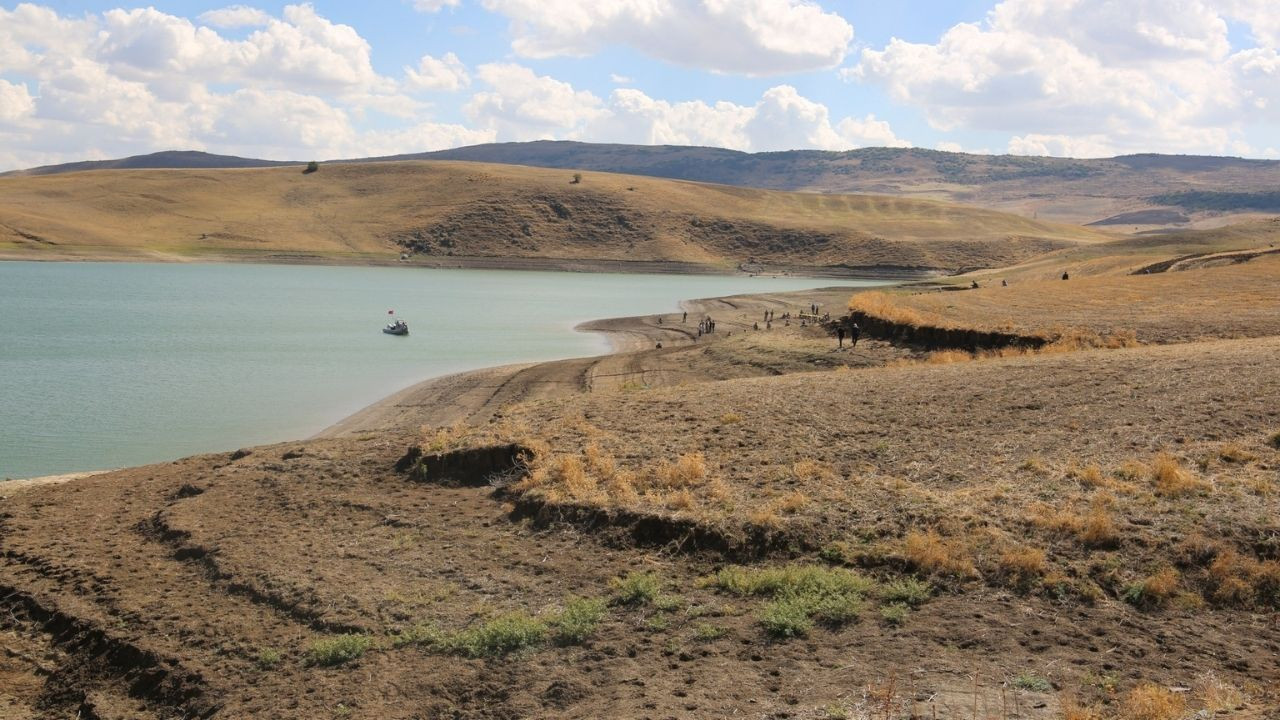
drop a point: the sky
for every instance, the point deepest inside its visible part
(324, 80)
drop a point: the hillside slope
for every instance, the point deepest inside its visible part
(438, 210)
(1134, 192)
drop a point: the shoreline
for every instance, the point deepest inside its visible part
(471, 395)
(459, 262)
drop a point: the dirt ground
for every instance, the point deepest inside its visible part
(1016, 550)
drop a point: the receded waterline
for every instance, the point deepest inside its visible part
(108, 365)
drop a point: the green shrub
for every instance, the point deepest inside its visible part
(894, 614)
(268, 658)
(425, 634)
(500, 636)
(792, 580)
(338, 649)
(907, 591)
(802, 594)
(786, 618)
(579, 620)
(636, 589)
(1032, 682)
(707, 632)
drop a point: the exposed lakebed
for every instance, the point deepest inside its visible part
(108, 364)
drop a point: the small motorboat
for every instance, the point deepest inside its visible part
(398, 327)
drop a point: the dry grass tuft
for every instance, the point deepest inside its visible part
(930, 552)
(947, 357)
(881, 305)
(1173, 480)
(1149, 701)
(1154, 591)
(1089, 476)
(1218, 695)
(688, 470)
(1241, 580)
(1235, 453)
(1274, 440)
(1022, 564)
(1099, 530)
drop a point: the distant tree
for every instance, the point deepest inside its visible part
(311, 167)
(577, 178)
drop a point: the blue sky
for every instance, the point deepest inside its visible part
(1084, 78)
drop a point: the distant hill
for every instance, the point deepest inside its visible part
(1116, 192)
(446, 212)
(168, 159)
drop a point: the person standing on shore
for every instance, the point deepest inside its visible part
(684, 317)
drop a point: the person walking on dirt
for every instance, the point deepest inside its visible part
(1065, 276)
(854, 333)
(684, 316)
(840, 337)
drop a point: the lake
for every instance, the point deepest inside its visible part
(106, 365)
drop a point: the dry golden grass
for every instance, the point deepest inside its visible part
(931, 553)
(1089, 476)
(1021, 565)
(355, 212)
(688, 470)
(887, 307)
(1106, 311)
(1216, 694)
(1236, 453)
(1238, 579)
(1173, 480)
(1149, 701)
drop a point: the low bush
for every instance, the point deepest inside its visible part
(338, 649)
(1032, 682)
(894, 613)
(907, 591)
(578, 620)
(500, 636)
(268, 658)
(802, 595)
(636, 589)
(786, 618)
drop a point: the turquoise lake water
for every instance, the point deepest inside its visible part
(106, 365)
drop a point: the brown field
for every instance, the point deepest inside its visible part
(449, 213)
(1234, 301)
(749, 524)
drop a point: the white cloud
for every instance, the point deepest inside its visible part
(524, 106)
(235, 16)
(431, 6)
(444, 73)
(617, 79)
(126, 82)
(15, 101)
(521, 105)
(1087, 77)
(751, 37)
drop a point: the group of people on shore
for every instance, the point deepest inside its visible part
(707, 324)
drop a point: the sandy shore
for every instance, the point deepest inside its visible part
(646, 353)
(636, 360)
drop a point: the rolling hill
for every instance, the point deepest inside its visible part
(1133, 192)
(455, 213)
